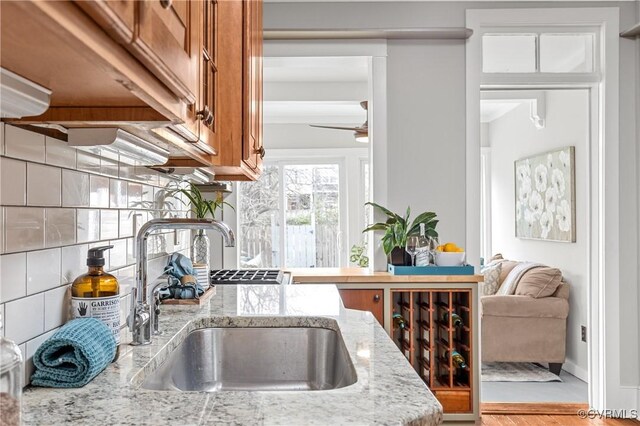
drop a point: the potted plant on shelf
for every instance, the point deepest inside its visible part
(201, 208)
(396, 230)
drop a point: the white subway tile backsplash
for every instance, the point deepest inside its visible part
(127, 171)
(88, 225)
(51, 214)
(43, 185)
(131, 251)
(59, 227)
(13, 182)
(75, 189)
(30, 349)
(74, 262)
(108, 224)
(59, 153)
(25, 318)
(87, 162)
(109, 167)
(23, 228)
(23, 144)
(118, 194)
(134, 193)
(43, 270)
(13, 276)
(56, 307)
(126, 223)
(99, 191)
(147, 196)
(118, 254)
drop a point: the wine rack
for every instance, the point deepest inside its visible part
(435, 333)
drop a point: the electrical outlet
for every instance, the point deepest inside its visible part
(583, 333)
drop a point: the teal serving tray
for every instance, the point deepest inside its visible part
(431, 270)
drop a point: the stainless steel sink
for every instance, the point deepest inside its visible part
(256, 359)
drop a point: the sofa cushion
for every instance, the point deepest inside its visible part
(507, 266)
(491, 282)
(524, 307)
(539, 282)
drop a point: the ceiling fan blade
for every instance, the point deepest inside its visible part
(353, 129)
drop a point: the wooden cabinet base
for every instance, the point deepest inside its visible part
(454, 401)
(365, 300)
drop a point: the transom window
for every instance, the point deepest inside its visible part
(570, 51)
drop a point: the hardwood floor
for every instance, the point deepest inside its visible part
(553, 408)
(510, 414)
(554, 420)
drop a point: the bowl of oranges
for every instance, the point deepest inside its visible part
(450, 254)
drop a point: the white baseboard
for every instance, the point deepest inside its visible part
(573, 369)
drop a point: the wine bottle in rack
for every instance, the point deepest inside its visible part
(455, 318)
(399, 321)
(458, 360)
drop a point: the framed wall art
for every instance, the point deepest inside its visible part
(545, 205)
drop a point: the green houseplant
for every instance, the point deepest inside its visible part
(396, 230)
(201, 208)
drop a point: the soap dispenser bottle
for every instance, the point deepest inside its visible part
(96, 294)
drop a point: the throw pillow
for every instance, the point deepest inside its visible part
(491, 279)
(507, 266)
(539, 282)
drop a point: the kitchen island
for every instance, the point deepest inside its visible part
(387, 390)
(416, 312)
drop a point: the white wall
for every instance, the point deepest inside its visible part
(426, 131)
(512, 137)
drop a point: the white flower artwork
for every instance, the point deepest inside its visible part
(545, 196)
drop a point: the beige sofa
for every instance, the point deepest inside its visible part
(525, 329)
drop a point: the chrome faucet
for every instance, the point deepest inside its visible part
(143, 318)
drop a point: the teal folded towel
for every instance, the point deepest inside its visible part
(74, 355)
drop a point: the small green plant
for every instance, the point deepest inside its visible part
(199, 206)
(397, 228)
(358, 255)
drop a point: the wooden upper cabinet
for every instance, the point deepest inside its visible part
(116, 17)
(239, 90)
(162, 34)
(208, 90)
(166, 41)
(252, 103)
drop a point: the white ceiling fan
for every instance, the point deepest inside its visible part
(361, 133)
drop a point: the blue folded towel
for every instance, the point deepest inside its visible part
(178, 267)
(74, 355)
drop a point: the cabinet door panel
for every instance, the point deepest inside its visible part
(116, 17)
(166, 42)
(365, 300)
(252, 149)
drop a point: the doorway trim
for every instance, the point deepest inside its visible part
(605, 388)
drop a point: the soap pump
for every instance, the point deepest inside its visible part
(96, 294)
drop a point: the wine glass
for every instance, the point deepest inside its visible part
(433, 244)
(412, 247)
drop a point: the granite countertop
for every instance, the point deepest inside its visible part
(365, 276)
(388, 390)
